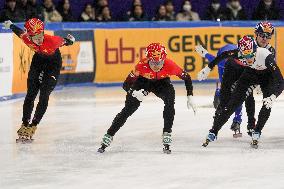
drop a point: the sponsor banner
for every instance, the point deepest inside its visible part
(77, 58)
(6, 64)
(118, 50)
(279, 47)
(69, 58)
(85, 62)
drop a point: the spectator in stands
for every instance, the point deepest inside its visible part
(99, 4)
(234, 11)
(34, 10)
(266, 10)
(104, 15)
(137, 14)
(88, 15)
(11, 12)
(214, 11)
(129, 16)
(187, 14)
(50, 13)
(161, 14)
(23, 5)
(170, 10)
(64, 9)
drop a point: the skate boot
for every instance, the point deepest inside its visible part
(236, 128)
(167, 140)
(210, 138)
(255, 136)
(21, 133)
(107, 139)
(28, 134)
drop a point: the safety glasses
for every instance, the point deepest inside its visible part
(265, 35)
(249, 56)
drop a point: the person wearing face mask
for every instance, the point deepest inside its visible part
(234, 11)
(266, 10)
(170, 10)
(161, 14)
(12, 12)
(187, 14)
(43, 74)
(151, 75)
(214, 11)
(260, 69)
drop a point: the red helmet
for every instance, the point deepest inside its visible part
(247, 46)
(156, 52)
(34, 26)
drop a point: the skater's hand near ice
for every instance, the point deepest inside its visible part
(139, 94)
(201, 51)
(7, 24)
(203, 74)
(191, 104)
(268, 101)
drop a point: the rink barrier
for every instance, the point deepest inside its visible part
(104, 53)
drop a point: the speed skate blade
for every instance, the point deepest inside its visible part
(237, 135)
(24, 140)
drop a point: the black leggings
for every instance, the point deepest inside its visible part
(166, 92)
(231, 74)
(42, 78)
(248, 78)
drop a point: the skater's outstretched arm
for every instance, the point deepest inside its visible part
(222, 56)
(210, 57)
(8, 24)
(204, 53)
(203, 74)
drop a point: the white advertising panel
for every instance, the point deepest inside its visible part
(85, 57)
(6, 64)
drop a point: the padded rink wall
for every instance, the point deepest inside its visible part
(104, 53)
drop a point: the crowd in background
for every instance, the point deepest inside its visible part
(99, 11)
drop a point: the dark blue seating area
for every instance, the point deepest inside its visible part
(119, 7)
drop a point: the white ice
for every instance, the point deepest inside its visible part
(64, 153)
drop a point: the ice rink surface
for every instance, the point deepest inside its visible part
(64, 153)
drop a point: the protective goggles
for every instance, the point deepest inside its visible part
(265, 35)
(248, 56)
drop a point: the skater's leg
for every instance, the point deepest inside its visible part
(131, 105)
(237, 122)
(238, 115)
(264, 112)
(33, 86)
(47, 86)
(238, 96)
(216, 101)
(167, 94)
(250, 109)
